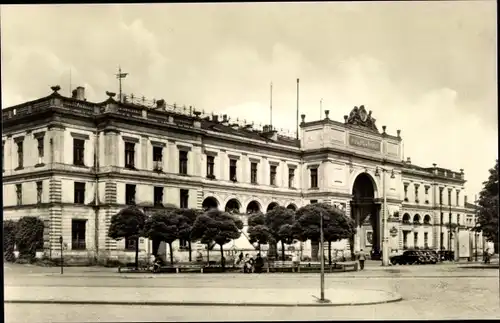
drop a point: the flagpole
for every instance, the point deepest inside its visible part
(271, 106)
(320, 108)
(297, 135)
(120, 76)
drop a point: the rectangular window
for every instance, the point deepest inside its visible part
(314, 178)
(458, 198)
(313, 201)
(405, 187)
(183, 162)
(40, 149)
(440, 195)
(441, 240)
(253, 173)
(426, 190)
(158, 195)
(130, 194)
(272, 177)
(291, 177)
(157, 158)
(184, 200)
(79, 193)
(130, 243)
(20, 158)
(415, 239)
(426, 239)
(78, 234)
(19, 194)
(416, 193)
(232, 169)
(210, 166)
(449, 196)
(78, 152)
(39, 192)
(129, 155)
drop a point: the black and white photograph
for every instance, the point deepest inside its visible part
(240, 161)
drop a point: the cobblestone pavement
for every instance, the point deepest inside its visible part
(429, 292)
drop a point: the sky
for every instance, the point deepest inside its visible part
(427, 68)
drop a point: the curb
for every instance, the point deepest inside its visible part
(152, 303)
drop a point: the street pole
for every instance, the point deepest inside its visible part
(385, 240)
(322, 257)
(62, 259)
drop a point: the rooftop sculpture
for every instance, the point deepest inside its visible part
(359, 117)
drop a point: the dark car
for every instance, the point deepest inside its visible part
(409, 257)
(432, 256)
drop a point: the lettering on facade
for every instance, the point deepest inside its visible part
(364, 143)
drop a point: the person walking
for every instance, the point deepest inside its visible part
(361, 258)
(296, 262)
(259, 264)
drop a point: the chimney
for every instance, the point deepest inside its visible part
(73, 94)
(269, 133)
(225, 120)
(80, 93)
(161, 104)
(215, 118)
(408, 160)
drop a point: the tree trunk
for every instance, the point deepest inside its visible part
(137, 254)
(351, 246)
(330, 253)
(208, 254)
(314, 250)
(156, 246)
(171, 253)
(189, 248)
(272, 253)
(222, 260)
(282, 251)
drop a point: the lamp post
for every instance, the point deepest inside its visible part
(322, 275)
(385, 236)
(62, 259)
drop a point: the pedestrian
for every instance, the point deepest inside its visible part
(487, 256)
(296, 262)
(259, 263)
(361, 258)
(240, 257)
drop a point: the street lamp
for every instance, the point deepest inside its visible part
(322, 260)
(385, 239)
(62, 259)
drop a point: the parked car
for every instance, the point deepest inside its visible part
(409, 257)
(432, 255)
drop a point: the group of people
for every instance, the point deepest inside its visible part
(248, 264)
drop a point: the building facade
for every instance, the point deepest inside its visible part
(75, 163)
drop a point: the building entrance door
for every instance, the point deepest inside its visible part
(364, 207)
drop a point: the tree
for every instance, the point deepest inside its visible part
(336, 225)
(128, 224)
(275, 219)
(257, 230)
(188, 217)
(29, 236)
(218, 226)
(488, 207)
(9, 239)
(164, 225)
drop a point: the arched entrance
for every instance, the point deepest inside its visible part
(271, 206)
(366, 213)
(292, 207)
(253, 207)
(210, 203)
(233, 206)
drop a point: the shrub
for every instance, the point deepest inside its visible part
(29, 236)
(9, 240)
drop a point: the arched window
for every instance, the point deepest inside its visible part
(406, 218)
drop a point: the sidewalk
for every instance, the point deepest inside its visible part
(194, 296)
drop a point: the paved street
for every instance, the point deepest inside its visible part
(429, 292)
